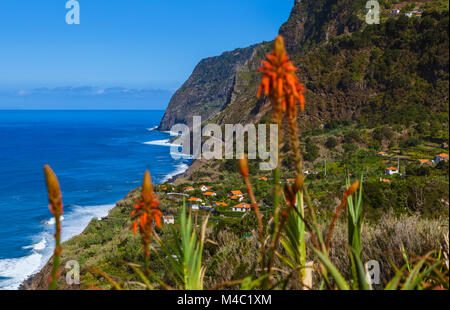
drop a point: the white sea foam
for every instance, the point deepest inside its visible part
(181, 156)
(165, 142)
(52, 221)
(172, 133)
(153, 128)
(181, 168)
(16, 270)
(37, 246)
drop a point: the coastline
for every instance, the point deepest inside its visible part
(38, 279)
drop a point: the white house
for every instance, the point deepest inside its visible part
(391, 171)
(242, 207)
(395, 11)
(168, 219)
(414, 13)
(204, 188)
(194, 203)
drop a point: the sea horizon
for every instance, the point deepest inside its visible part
(99, 156)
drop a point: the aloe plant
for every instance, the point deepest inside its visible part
(355, 219)
(184, 255)
(293, 240)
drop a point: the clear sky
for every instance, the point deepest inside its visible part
(129, 43)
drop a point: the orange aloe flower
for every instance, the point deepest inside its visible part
(279, 81)
(146, 213)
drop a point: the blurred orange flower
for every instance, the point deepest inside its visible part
(146, 213)
(280, 82)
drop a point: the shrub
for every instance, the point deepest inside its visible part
(331, 143)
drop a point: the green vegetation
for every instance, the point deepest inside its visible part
(386, 90)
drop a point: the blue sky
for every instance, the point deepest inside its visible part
(140, 44)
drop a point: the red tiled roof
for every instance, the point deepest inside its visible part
(243, 205)
(194, 199)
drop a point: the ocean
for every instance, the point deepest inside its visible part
(98, 156)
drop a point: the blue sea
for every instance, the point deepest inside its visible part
(98, 156)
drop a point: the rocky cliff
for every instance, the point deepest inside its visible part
(208, 90)
(351, 70)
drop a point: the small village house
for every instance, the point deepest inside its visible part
(194, 203)
(220, 204)
(391, 171)
(290, 180)
(385, 180)
(210, 194)
(236, 193)
(205, 188)
(195, 199)
(382, 154)
(189, 189)
(263, 179)
(242, 207)
(441, 157)
(169, 219)
(414, 13)
(238, 198)
(395, 11)
(425, 162)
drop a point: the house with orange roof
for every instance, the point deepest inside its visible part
(194, 203)
(391, 171)
(220, 204)
(263, 179)
(441, 157)
(425, 161)
(205, 188)
(290, 180)
(238, 198)
(242, 207)
(189, 189)
(382, 154)
(385, 180)
(211, 194)
(236, 193)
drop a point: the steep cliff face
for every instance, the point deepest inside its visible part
(208, 90)
(222, 88)
(394, 72)
(315, 21)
